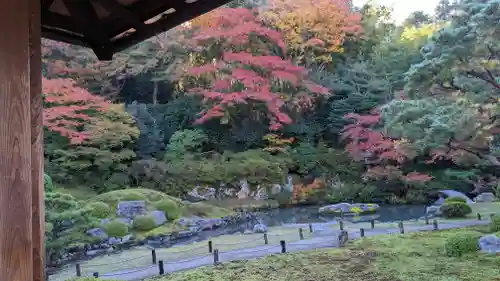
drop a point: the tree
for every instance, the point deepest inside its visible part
(244, 72)
(68, 108)
(151, 139)
(314, 30)
(417, 19)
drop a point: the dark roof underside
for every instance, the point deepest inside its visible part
(110, 26)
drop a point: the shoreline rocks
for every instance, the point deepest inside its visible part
(349, 209)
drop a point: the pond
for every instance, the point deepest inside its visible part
(306, 215)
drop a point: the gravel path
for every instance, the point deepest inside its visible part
(324, 241)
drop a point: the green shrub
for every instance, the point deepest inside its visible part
(48, 186)
(462, 242)
(495, 224)
(99, 210)
(455, 199)
(455, 210)
(133, 196)
(116, 228)
(144, 223)
(170, 208)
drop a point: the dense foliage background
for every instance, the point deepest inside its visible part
(353, 106)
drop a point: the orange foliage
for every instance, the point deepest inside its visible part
(320, 26)
(276, 143)
(302, 192)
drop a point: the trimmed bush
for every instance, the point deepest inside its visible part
(99, 210)
(170, 208)
(460, 243)
(495, 224)
(455, 210)
(455, 199)
(144, 223)
(115, 228)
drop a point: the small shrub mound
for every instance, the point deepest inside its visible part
(144, 223)
(99, 210)
(455, 210)
(115, 228)
(462, 242)
(455, 199)
(170, 208)
(495, 224)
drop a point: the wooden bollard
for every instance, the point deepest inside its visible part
(216, 257)
(153, 256)
(310, 227)
(401, 228)
(301, 234)
(479, 216)
(341, 239)
(266, 241)
(210, 246)
(161, 268)
(341, 225)
(283, 246)
(435, 223)
(362, 232)
(78, 270)
(342, 213)
(372, 222)
(426, 219)
(96, 274)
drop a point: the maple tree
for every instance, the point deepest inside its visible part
(314, 29)
(68, 108)
(245, 63)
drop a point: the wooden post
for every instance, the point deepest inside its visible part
(435, 223)
(21, 156)
(78, 270)
(216, 257)
(310, 228)
(161, 268)
(96, 274)
(478, 216)
(283, 246)
(265, 239)
(210, 247)
(301, 234)
(341, 225)
(153, 256)
(372, 222)
(362, 232)
(401, 228)
(426, 219)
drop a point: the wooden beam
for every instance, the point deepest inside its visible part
(86, 18)
(127, 16)
(16, 242)
(36, 111)
(183, 13)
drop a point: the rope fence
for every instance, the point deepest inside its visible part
(263, 244)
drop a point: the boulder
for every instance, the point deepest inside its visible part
(349, 209)
(201, 194)
(259, 228)
(489, 244)
(159, 216)
(433, 210)
(131, 209)
(485, 197)
(114, 241)
(126, 221)
(244, 190)
(97, 233)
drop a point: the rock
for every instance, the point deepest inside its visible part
(485, 197)
(105, 221)
(433, 210)
(260, 228)
(114, 241)
(247, 232)
(275, 189)
(244, 190)
(159, 217)
(346, 208)
(261, 194)
(131, 209)
(127, 238)
(126, 221)
(489, 244)
(289, 184)
(97, 233)
(198, 194)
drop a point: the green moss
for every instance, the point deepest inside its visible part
(205, 210)
(144, 223)
(170, 207)
(455, 199)
(163, 229)
(115, 228)
(495, 223)
(150, 196)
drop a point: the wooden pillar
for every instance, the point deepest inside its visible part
(21, 185)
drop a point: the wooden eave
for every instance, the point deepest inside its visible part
(110, 26)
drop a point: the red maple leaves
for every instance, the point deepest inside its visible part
(68, 108)
(384, 155)
(250, 69)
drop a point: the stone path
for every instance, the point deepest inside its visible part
(324, 241)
